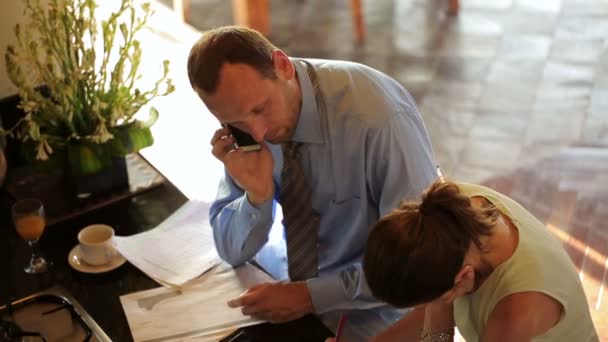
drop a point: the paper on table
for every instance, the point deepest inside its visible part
(178, 250)
(196, 312)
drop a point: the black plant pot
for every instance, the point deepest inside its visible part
(108, 180)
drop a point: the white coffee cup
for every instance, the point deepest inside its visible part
(97, 244)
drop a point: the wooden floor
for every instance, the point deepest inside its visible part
(514, 94)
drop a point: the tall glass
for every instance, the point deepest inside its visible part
(29, 219)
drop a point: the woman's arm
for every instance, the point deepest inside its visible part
(407, 329)
(522, 316)
(433, 322)
(438, 322)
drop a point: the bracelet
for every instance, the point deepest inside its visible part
(437, 337)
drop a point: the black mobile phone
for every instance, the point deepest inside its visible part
(243, 140)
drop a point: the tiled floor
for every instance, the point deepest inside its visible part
(514, 94)
(569, 192)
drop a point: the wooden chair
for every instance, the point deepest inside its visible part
(256, 14)
(358, 21)
(453, 6)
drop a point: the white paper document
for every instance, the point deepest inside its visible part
(178, 250)
(197, 311)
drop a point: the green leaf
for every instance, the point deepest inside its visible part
(89, 158)
(130, 138)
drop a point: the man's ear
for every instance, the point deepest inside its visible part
(282, 65)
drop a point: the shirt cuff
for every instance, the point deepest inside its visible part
(326, 292)
(250, 216)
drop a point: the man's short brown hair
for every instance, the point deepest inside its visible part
(229, 44)
(413, 253)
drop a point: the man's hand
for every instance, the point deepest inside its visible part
(252, 170)
(275, 302)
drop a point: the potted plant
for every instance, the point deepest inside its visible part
(78, 84)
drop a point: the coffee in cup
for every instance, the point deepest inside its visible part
(96, 244)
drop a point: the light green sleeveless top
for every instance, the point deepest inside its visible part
(540, 264)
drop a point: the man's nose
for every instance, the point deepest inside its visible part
(258, 131)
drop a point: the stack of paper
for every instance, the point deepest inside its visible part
(178, 250)
(197, 311)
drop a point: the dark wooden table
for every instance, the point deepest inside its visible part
(99, 293)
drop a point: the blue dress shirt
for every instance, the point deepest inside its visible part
(369, 152)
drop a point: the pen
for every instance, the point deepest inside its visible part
(340, 327)
(235, 337)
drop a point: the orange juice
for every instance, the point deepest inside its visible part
(30, 227)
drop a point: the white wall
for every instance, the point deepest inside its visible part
(12, 13)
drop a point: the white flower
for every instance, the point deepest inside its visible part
(43, 150)
(29, 106)
(89, 76)
(101, 134)
(117, 113)
(99, 106)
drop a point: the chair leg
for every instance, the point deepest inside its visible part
(182, 8)
(358, 22)
(253, 14)
(453, 6)
(187, 11)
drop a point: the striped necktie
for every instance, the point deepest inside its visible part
(300, 220)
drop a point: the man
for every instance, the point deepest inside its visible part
(481, 262)
(351, 134)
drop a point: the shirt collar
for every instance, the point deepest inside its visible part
(308, 128)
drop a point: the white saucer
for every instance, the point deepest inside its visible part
(75, 260)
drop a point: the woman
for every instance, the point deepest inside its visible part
(470, 257)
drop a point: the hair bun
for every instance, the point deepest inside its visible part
(443, 196)
(426, 206)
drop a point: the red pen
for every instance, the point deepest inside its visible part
(340, 327)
